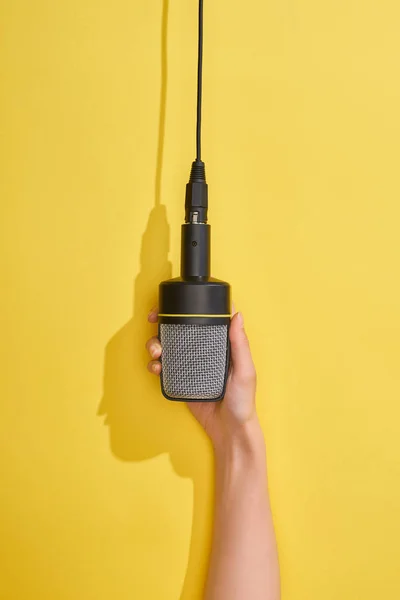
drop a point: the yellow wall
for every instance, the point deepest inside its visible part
(100, 477)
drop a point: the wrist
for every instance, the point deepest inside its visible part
(243, 444)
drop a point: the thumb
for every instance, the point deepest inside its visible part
(242, 362)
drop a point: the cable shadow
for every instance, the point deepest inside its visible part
(141, 423)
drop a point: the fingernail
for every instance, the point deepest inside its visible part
(154, 368)
(153, 351)
(153, 310)
(240, 319)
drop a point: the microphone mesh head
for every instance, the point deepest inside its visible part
(194, 360)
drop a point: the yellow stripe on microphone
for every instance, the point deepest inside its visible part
(202, 316)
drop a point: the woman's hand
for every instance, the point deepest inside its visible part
(232, 417)
(244, 561)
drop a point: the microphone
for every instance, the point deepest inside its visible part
(194, 309)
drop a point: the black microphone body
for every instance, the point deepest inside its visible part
(194, 312)
(194, 309)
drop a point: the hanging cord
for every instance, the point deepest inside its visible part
(199, 81)
(196, 201)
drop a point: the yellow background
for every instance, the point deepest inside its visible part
(106, 488)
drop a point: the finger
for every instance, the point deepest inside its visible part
(154, 367)
(242, 362)
(153, 347)
(153, 315)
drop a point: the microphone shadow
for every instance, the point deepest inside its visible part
(142, 424)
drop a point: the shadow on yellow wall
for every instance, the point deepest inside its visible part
(142, 425)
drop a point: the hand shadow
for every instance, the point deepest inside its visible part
(142, 424)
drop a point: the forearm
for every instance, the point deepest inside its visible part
(244, 562)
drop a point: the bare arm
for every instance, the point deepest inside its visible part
(244, 561)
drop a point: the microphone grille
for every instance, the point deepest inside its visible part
(194, 360)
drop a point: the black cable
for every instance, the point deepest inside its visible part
(199, 81)
(196, 201)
